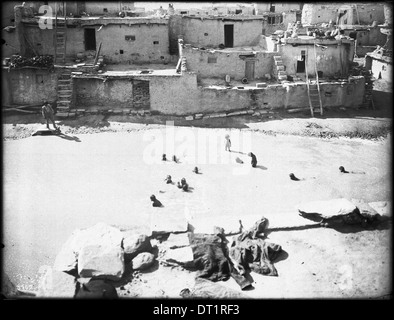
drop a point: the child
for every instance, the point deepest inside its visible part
(183, 185)
(47, 113)
(228, 143)
(254, 159)
(168, 179)
(155, 202)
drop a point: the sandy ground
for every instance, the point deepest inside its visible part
(54, 185)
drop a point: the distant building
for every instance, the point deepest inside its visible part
(343, 14)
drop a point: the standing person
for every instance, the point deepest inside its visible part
(48, 114)
(228, 143)
(254, 159)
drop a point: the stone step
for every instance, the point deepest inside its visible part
(278, 62)
(280, 68)
(64, 91)
(282, 73)
(62, 114)
(282, 78)
(277, 58)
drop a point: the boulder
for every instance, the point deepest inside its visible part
(143, 261)
(100, 234)
(329, 208)
(67, 258)
(179, 255)
(100, 252)
(103, 261)
(133, 244)
(163, 223)
(177, 240)
(56, 284)
(96, 289)
(382, 207)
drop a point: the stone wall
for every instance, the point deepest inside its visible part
(218, 64)
(175, 95)
(209, 33)
(359, 13)
(382, 69)
(149, 42)
(31, 86)
(334, 60)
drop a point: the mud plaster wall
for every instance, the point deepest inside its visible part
(180, 95)
(226, 63)
(289, 17)
(11, 45)
(332, 94)
(383, 69)
(141, 50)
(369, 37)
(246, 33)
(262, 7)
(32, 86)
(323, 13)
(332, 61)
(97, 93)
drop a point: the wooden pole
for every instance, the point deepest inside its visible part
(97, 54)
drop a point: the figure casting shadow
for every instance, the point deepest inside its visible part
(240, 152)
(66, 137)
(342, 170)
(261, 167)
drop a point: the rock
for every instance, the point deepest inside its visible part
(189, 118)
(382, 207)
(8, 288)
(162, 223)
(179, 255)
(329, 208)
(67, 259)
(101, 252)
(133, 244)
(177, 240)
(100, 260)
(97, 289)
(143, 261)
(56, 284)
(366, 210)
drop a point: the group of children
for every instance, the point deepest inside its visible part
(250, 154)
(180, 184)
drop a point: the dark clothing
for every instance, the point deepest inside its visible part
(210, 255)
(254, 160)
(156, 203)
(252, 253)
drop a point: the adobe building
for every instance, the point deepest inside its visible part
(177, 65)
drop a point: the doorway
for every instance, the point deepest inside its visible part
(249, 69)
(228, 35)
(90, 39)
(301, 62)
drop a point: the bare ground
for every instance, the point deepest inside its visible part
(320, 262)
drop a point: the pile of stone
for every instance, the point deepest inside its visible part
(101, 252)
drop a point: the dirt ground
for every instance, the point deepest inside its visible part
(103, 169)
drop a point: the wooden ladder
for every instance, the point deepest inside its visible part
(64, 94)
(314, 95)
(60, 36)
